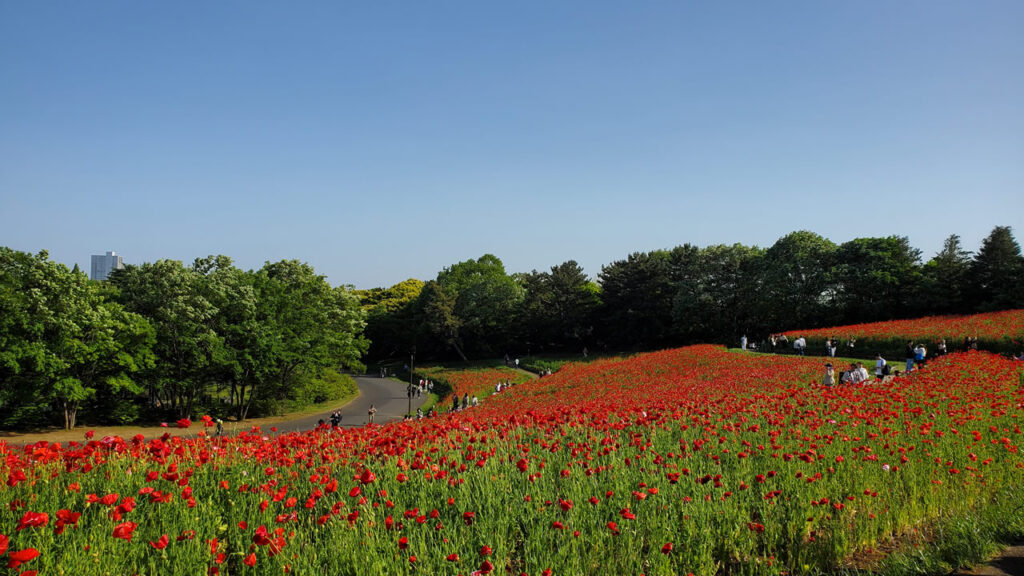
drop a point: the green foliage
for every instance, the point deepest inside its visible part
(876, 278)
(61, 341)
(330, 386)
(390, 324)
(796, 279)
(946, 279)
(558, 308)
(485, 302)
(997, 272)
(167, 340)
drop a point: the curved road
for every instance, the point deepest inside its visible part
(386, 394)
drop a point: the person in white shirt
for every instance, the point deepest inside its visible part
(860, 374)
(799, 345)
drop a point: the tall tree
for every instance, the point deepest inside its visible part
(61, 342)
(876, 278)
(390, 322)
(307, 326)
(945, 279)
(721, 300)
(486, 299)
(171, 296)
(439, 318)
(558, 307)
(636, 295)
(796, 281)
(997, 272)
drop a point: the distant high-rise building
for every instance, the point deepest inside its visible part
(104, 264)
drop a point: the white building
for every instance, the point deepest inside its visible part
(104, 264)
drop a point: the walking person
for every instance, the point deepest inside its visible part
(909, 354)
(743, 342)
(371, 412)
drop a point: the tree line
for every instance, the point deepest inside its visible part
(688, 294)
(165, 340)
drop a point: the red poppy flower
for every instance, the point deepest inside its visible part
(33, 520)
(261, 538)
(18, 558)
(124, 530)
(161, 543)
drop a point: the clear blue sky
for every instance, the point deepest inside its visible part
(382, 140)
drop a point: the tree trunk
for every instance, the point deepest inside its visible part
(70, 412)
(459, 350)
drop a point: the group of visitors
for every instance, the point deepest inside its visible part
(420, 415)
(335, 419)
(417, 390)
(780, 343)
(857, 373)
(466, 402)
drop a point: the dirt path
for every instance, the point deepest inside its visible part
(1009, 563)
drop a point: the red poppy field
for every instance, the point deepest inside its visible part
(473, 382)
(693, 460)
(1001, 332)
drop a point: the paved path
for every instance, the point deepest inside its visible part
(386, 394)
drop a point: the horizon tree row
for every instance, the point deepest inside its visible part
(163, 339)
(688, 294)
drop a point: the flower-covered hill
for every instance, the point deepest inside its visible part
(1001, 332)
(470, 382)
(694, 460)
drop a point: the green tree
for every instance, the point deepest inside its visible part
(61, 342)
(439, 318)
(637, 297)
(391, 325)
(945, 277)
(558, 307)
(876, 278)
(717, 298)
(486, 300)
(797, 291)
(997, 272)
(306, 326)
(174, 299)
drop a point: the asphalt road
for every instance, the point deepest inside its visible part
(386, 394)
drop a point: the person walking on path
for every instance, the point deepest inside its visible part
(371, 412)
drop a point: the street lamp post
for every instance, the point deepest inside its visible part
(412, 366)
